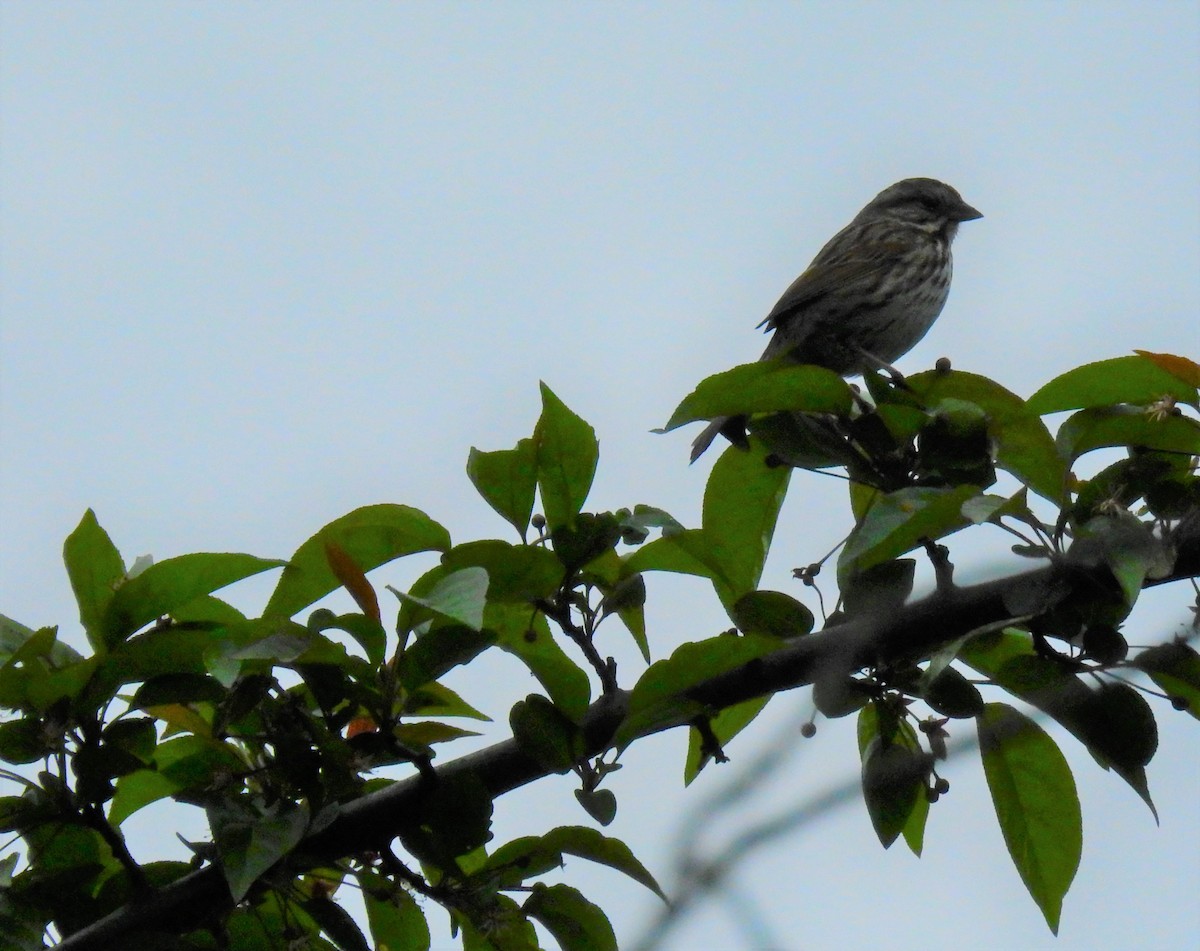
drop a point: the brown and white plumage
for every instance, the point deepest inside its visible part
(872, 291)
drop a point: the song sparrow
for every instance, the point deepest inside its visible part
(871, 293)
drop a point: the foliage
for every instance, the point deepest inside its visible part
(274, 725)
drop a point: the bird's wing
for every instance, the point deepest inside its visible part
(836, 266)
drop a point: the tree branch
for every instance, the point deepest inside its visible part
(370, 823)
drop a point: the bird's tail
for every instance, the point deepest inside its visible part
(707, 435)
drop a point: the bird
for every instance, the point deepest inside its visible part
(870, 294)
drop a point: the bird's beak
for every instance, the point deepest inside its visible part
(965, 212)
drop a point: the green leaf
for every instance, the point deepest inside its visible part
(24, 740)
(724, 726)
(567, 453)
(507, 480)
(659, 697)
(586, 539)
(397, 921)
(425, 734)
(895, 773)
(573, 921)
(1129, 546)
(495, 925)
(14, 635)
(26, 659)
(459, 596)
(268, 924)
(1164, 480)
(29, 684)
(1129, 426)
(1134, 379)
(1121, 725)
(893, 785)
(636, 525)
(71, 862)
(1009, 659)
(835, 694)
(452, 820)
(526, 635)
(208, 610)
(772, 613)
(955, 446)
(899, 521)
(135, 735)
(414, 617)
(1036, 804)
(990, 652)
(880, 589)
(600, 804)
(173, 583)
(993, 508)
(250, 846)
(439, 650)
(182, 763)
(519, 574)
(531, 856)
(336, 924)
(763, 387)
(436, 700)
(136, 790)
(176, 650)
(542, 732)
(370, 536)
(626, 597)
(95, 568)
(685, 553)
(803, 441)
(952, 695)
(367, 631)
(741, 505)
(1022, 443)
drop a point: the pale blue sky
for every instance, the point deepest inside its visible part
(265, 263)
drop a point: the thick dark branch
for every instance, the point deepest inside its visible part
(369, 824)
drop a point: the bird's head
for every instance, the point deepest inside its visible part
(925, 202)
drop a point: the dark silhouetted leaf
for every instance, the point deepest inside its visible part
(575, 923)
(1023, 445)
(772, 613)
(952, 695)
(541, 731)
(600, 804)
(1176, 668)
